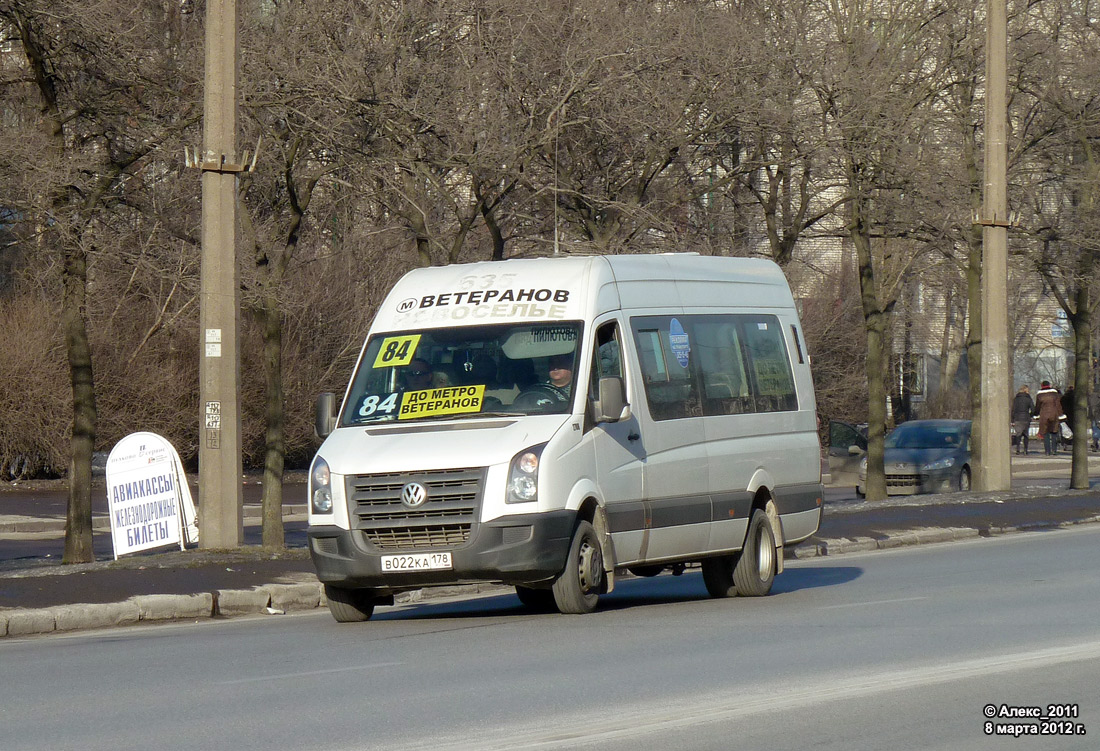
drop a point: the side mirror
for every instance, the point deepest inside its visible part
(325, 418)
(854, 450)
(612, 406)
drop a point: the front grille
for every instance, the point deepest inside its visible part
(445, 520)
(902, 481)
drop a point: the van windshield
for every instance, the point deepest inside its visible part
(520, 369)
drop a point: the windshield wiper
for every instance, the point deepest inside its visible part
(468, 415)
(373, 419)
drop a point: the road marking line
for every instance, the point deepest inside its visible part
(871, 602)
(307, 674)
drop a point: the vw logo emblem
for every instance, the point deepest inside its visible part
(413, 495)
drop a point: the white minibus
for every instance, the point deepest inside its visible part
(549, 423)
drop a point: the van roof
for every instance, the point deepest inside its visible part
(570, 288)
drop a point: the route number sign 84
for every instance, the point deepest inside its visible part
(396, 351)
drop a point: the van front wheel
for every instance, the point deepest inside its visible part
(349, 605)
(755, 571)
(577, 588)
(541, 600)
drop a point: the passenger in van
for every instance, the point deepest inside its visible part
(442, 378)
(417, 375)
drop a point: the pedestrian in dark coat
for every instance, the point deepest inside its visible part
(1022, 408)
(1067, 408)
(1048, 406)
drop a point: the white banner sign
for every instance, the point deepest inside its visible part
(148, 498)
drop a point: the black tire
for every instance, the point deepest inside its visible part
(577, 588)
(755, 571)
(964, 480)
(349, 605)
(718, 575)
(541, 600)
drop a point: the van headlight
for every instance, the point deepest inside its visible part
(320, 487)
(523, 476)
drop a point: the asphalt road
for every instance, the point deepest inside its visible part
(891, 649)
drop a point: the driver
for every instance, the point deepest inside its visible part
(561, 376)
(552, 394)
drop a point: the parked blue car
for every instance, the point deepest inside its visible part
(924, 456)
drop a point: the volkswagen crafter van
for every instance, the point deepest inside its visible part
(548, 423)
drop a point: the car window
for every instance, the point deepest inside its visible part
(842, 435)
(927, 437)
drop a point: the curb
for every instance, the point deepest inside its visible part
(278, 599)
(274, 599)
(923, 536)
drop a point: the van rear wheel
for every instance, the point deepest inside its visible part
(577, 588)
(349, 605)
(755, 571)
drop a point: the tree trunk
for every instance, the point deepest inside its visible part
(1082, 370)
(495, 232)
(78, 521)
(875, 325)
(275, 431)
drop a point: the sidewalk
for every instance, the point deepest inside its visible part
(43, 596)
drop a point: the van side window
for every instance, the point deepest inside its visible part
(769, 364)
(696, 365)
(607, 362)
(667, 373)
(726, 388)
(606, 358)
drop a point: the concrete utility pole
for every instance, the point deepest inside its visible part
(221, 514)
(995, 472)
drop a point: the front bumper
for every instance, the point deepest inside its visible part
(912, 483)
(523, 549)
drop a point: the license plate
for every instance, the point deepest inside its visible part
(416, 562)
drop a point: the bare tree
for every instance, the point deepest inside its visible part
(84, 65)
(881, 71)
(1061, 158)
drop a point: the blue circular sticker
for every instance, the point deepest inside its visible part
(678, 340)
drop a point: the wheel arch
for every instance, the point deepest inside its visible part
(764, 500)
(593, 512)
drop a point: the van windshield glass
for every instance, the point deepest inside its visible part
(452, 373)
